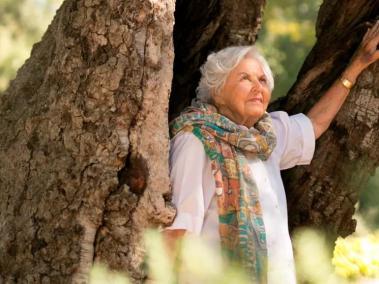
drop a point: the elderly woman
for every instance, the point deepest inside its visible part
(227, 153)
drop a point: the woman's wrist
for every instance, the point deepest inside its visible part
(352, 72)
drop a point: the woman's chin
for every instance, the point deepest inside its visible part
(256, 111)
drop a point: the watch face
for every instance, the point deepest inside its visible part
(347, 83)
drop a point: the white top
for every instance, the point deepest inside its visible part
(194, 189)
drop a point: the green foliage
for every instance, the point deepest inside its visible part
(198, 263)
(22, 23)
(311, 251)
(369, 201)
(355, 260)
(287, 24)
(100, 274)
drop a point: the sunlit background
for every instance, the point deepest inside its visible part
(287, 36)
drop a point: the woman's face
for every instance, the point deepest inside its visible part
(245, 95)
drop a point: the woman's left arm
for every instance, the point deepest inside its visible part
(324, 111)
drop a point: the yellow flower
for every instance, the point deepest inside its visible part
(356, 257)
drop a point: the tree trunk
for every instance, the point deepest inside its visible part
(84, 137)
(84, 142)
(84, 133)
(324, 193)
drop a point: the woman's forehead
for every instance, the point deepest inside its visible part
(249, 66)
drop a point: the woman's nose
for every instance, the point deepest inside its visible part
(256, 84)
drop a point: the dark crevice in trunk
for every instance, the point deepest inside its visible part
(191, 21)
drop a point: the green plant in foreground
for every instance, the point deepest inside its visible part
(355, 259)
(198, 263)
(312, 258)
(100, 274)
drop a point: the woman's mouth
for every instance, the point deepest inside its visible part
(256, 100)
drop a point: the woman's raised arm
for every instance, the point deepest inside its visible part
(324, 111)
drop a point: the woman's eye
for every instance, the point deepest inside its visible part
(263, 80)
(245, 78)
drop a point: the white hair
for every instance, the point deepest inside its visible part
(218, 66)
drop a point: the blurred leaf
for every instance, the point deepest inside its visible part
(100, 274)
(160, 266)
(313, 262)
(369, 201)
(22, 23)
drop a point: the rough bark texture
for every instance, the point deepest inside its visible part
(84, 141)
(324, 194)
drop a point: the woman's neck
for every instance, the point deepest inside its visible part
(238, 119)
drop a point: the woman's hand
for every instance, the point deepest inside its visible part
(368, 50)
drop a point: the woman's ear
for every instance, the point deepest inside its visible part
(217, 98)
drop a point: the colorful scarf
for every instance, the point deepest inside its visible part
(241, 229)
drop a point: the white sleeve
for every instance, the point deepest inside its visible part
(295, 139)
(187, 162)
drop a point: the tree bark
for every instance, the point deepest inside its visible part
(84, 142)
(324, 193)
(84, 136)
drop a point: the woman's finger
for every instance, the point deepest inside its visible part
(366, 35)
(376, 56)
(375, 28)
(373, 42)
(375, 25)
(371, 31)
(375, 35)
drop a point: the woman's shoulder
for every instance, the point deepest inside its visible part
(282, 121)
(295, 138)
(184, 137)
(186, 141)
(283, 116)
(187, 152)
(279, 116)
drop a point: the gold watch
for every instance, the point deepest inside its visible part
(347, 83)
